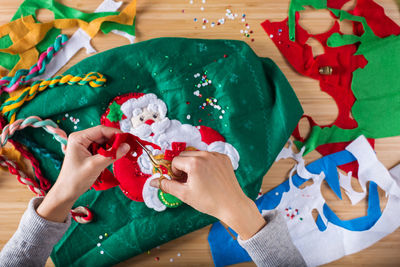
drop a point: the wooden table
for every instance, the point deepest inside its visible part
(157, 18)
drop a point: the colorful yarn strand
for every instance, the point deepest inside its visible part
(11, 106)
(44, 183)
(35, 122)
(80, 214)
(23, 76)
(21, 176)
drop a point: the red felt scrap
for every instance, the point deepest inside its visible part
(177, 148)
(376, 19)
(130, 177)
(342, 60)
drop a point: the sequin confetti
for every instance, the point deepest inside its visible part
(75, 121)
(229, 15)
(171, 260)
(291, 213)
(179, 254)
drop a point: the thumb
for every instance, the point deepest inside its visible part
(172, 187)
(122, 150)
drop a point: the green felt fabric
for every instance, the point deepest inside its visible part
(261, 113)
(376, 88)
(60, 11)
(298, 5)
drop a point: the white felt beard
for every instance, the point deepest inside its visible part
(144, 130)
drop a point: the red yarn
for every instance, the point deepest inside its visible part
(34, 187)
(44, 183)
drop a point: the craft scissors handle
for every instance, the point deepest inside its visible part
(157, 163)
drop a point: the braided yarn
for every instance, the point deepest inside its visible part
(21, 176)
(23, 76)
(80, 214)
(34, 147)
(13, 104)
(35, 122)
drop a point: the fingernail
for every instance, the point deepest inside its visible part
(125, 148)
(154, 183)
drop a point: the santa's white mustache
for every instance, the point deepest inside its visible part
(145, 130)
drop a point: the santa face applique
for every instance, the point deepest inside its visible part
(145, 116)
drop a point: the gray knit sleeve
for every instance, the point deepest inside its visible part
(272, 245)
(34, 239)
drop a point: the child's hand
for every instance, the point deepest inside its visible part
(79, 171)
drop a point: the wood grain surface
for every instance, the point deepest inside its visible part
(159, 18)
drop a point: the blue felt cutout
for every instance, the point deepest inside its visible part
(362, 223)
(220, 240)
(226, 251)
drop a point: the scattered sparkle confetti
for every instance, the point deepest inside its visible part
(202, 8)
(204, 27)
(188, 117)
(179, 254)
(100, 237)
(75, 127)
(195, 19)
(102, 252)
(271, 36)
(276, 193)
(171, 259)
(191, 2)
(98, 244)
(157, 258)
(220, 117)
(148, 252)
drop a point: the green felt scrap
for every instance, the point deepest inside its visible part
(60, 11)
(261, 111)
(9, 61)
(298, 5)
(376, 88)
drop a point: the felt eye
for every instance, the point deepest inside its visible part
(141, 119)
(155, 116)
